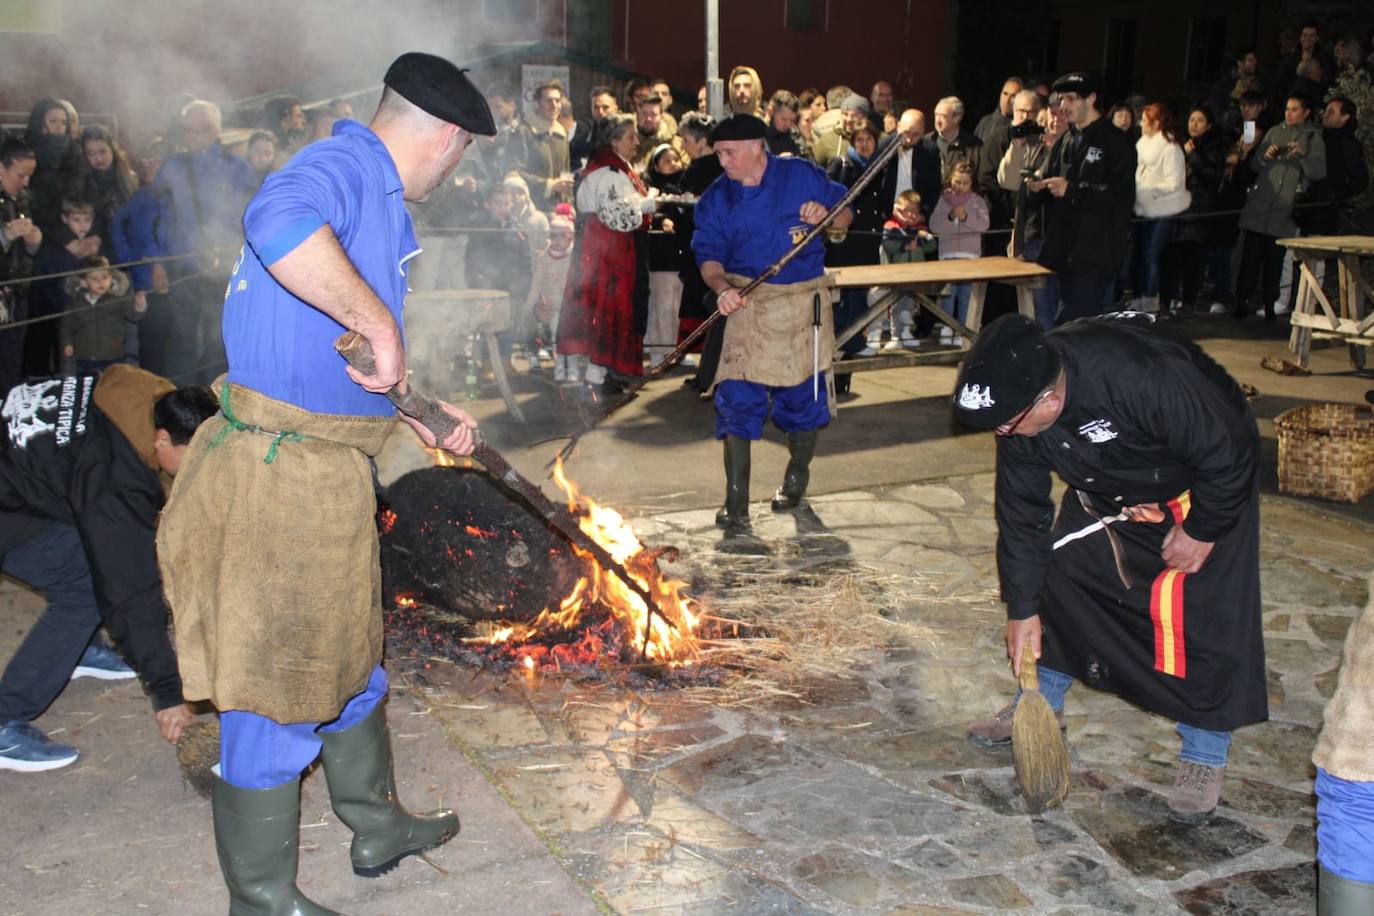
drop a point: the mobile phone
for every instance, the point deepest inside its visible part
(1247, 134)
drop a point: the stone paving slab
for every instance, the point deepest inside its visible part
(859, 794)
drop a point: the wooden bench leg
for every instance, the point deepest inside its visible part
(1025, 300)
(976, 298)
(498, 369)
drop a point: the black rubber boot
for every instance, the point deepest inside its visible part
(801, 446)
(257, 835)
(734, 515)
(362, 788)
(1337, 896)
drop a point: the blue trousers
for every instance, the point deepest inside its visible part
(257, 753)
(1082, 295)
(1208, 748)
(1150, 238)
(851, 307)
(54, 563)
(955, 302)
(1345, 827)
(741, 408)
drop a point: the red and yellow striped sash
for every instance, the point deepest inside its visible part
(1166, 605)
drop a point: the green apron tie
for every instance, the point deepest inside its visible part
(234, 424)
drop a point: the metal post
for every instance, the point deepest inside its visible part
(715, 88)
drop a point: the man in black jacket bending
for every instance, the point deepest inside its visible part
(82, 471)
(1087, 192)
(1147, 583)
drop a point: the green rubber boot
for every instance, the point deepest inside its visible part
(362, 788)
(1337, 896)
(257, 834)
(801, 446)
(734, 515)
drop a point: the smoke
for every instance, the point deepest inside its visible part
(129, 57)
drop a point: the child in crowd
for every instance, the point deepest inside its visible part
(906, 240)
(960, 219)
(498, 257)
(99, 327)
(61, 252)
(665, 254)
(262, 154)
(546, 292)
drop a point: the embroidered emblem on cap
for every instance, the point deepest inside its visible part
(975, 397)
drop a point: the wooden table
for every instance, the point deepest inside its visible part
(924, 281)
(438, 319)
(1314, 315)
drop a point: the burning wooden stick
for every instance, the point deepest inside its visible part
(358, 352)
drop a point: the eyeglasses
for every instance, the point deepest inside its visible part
(1007, 430)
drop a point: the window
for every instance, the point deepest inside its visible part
(805, 14)
(1206, 48)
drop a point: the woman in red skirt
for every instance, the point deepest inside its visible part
(605, 306)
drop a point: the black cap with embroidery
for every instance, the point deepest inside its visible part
(434, 85)
(1079, 82)
(1010, 363)
(737, 127)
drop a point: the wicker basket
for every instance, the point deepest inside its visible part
(1327, 451)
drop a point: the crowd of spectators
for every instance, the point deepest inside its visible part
(580, 209)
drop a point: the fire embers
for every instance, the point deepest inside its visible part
(473, 574)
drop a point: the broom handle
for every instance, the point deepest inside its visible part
(1029, 678)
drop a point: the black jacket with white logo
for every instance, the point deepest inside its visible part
(1086, 230)
(62, 460)
(1146, 417)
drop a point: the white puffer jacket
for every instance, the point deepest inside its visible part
(1161, 186)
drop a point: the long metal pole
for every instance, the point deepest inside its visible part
(715, 88)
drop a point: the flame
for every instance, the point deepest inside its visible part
(442, 457)
(628, 623)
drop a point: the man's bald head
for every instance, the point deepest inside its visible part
(912, 126)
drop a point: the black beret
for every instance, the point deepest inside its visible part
(1079, 82)
(440, 88)
(1010, 363)
(737, 127)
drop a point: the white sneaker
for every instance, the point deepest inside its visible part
(690, 361)
(1281, 309)
(869, 350)
(1218, 308)
(910, 342)
(956, 341)
(560, 371)
(892, 344)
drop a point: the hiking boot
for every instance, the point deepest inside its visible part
(102, 662)
(24, 747)
(995, 730)
(1196, 791)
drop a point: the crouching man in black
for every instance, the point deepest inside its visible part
(84, 466)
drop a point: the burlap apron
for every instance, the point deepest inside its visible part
(268, 549)
(769, 341)
(1345, 747)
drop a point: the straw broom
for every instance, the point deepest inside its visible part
(197, 752)
(1038, 750)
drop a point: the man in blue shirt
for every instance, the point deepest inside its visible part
(747, 220)
(269, 544)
